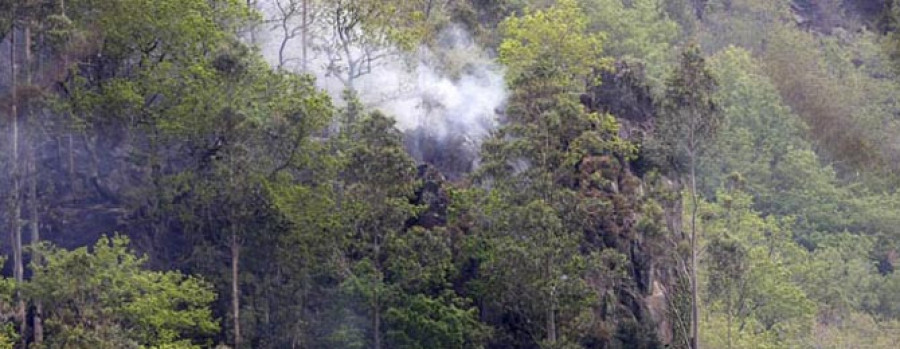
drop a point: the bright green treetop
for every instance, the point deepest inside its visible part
(103, 298)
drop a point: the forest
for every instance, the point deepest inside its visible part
(449, 174)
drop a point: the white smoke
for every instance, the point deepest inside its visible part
(455, 89)
(450, 89)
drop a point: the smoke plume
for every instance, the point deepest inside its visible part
(447, 94)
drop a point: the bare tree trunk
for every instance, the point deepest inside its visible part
(235, 295)
(376, 300)
(551, 308)
(376, 321)
(14, 116)
(38, 327)
(284, 41)
(304, 35)
(71, 140)
(695, 312)
(16, 212)
(551, 323)
(286, 32)
(252, 4)
(729, 321)
(32, 183)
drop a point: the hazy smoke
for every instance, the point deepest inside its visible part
(448, 93)
(453, 89)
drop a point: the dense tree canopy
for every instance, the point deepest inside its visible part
(646, 174)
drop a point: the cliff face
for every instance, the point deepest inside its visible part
(633, 217)
(635, 223)
(96, 183)
(645, 221)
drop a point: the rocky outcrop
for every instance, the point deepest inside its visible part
(643, 219)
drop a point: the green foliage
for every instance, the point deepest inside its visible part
(839, 275)
(859, 329)
(743, 23)
(804, 81)
(397, 277)
(552, 42)
(750, 103)
(784, 94)
(549, 131)
(8, 334)
(103, 298)
(762, 140)
(689, 116)
(750, 277)
(534, 271)
(444, 321)
(891, 24)
(548, 227)
(179, 132)
(637, 32)
(182, 29)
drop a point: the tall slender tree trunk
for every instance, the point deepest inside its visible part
(235, 289)
(32, 181)
(551, 308)
(551, 322)
(251, 4)
(729, 320)
(34, 224)
(14, 121)
(304, 35)
(376, 296)
(695, 312)
(16, 212)
(70, 165)
(376, 321)
(37, 326)
(234, 224)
